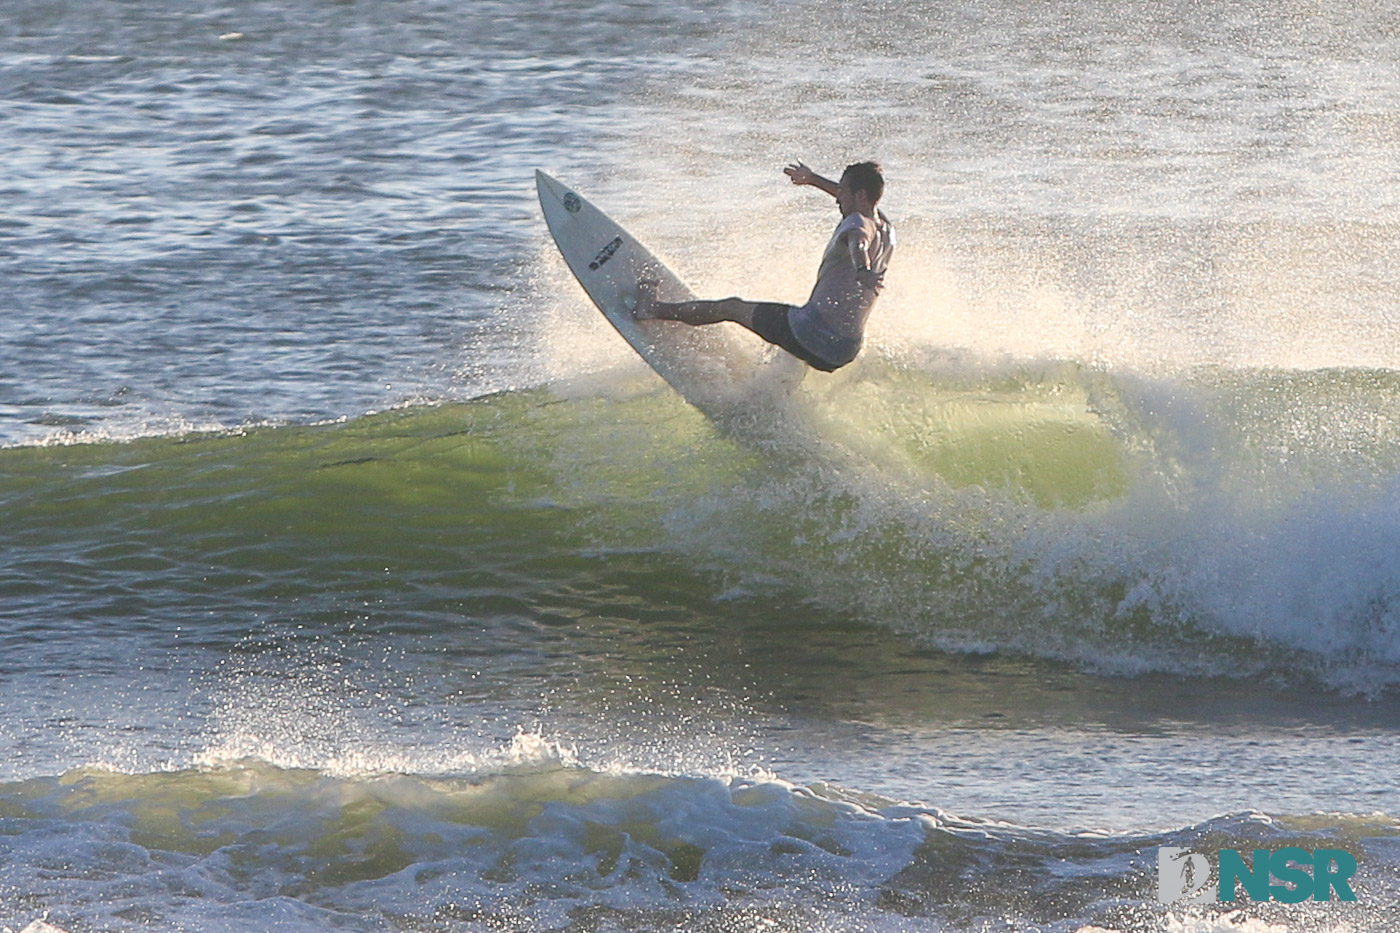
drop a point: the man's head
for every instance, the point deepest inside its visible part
(862, 184)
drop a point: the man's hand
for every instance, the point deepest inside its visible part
(800, 174)
(868, 278)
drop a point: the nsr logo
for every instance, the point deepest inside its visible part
(1186, 877)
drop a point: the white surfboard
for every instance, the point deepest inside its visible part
(710, 366)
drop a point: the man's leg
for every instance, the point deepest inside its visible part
(769, 320)
(696, 313)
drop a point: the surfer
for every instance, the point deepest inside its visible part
(826, 332)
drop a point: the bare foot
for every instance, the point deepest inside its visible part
(644, 310)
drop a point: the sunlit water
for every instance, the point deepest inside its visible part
(356, 576)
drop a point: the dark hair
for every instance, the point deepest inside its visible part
(867, 177)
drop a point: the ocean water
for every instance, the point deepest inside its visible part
(355, 576)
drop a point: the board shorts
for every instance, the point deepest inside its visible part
(770, 321)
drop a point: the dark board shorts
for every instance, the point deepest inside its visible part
(770, 321)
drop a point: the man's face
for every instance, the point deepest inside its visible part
(846, 198)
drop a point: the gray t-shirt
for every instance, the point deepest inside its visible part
(832, 322)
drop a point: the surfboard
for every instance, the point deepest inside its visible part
(709, 366)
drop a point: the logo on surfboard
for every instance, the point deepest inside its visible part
(606, 253)
(571, 203)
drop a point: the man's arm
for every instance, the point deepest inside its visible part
(860, 258)
(802, 175)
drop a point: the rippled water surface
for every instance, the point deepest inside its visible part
(355, 575)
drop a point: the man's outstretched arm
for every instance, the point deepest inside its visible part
(802, 175)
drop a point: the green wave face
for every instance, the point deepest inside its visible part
(1050, 511)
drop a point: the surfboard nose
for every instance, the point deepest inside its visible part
(545, 183)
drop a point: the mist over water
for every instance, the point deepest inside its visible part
(1132, 184)
(355, 575)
